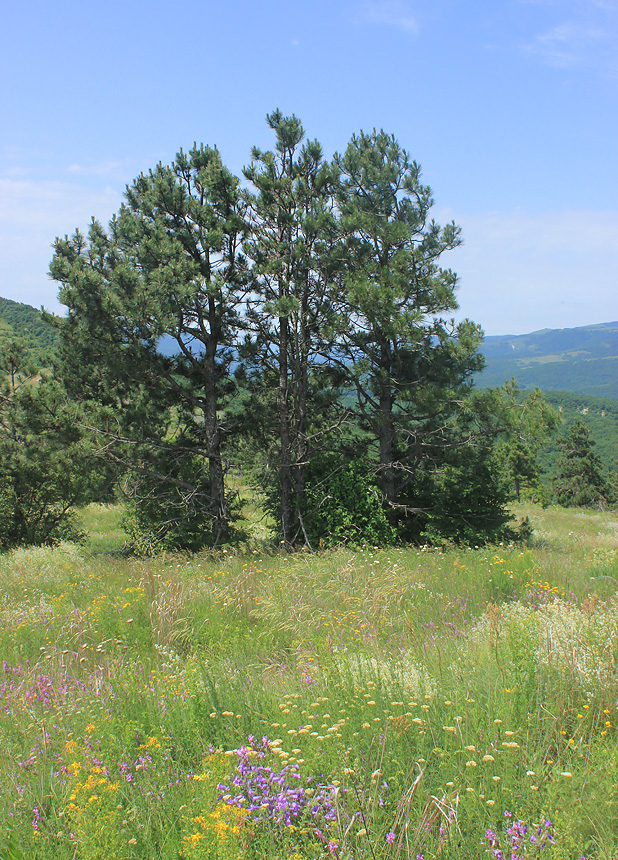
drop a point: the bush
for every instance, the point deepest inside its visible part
(344, 505)
(46, 465)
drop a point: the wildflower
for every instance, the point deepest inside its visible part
(390, 837)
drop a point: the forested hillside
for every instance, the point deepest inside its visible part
(599, 414)
(24, 323)
(520, 356)
(582, 360)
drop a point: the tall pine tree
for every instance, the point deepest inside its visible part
(410, 364)
(291, 242)
(150, 334)
(579, 480)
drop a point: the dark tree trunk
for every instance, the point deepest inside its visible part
(385, 430)
(285, 466)
(213, 433)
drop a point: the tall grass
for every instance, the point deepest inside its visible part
(350, 704)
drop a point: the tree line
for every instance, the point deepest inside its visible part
(296, 322)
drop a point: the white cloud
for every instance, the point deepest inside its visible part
(392, 13)
(103, 168)
(567, 44)
(521, 272)
(587, 37)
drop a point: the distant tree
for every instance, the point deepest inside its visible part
(527, 423)
(579, 479)
(23, 323)
(151, 331)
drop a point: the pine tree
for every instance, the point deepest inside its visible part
(292, 234)
(409, 363)
(151, 332)
(46, 462)
(579, 480)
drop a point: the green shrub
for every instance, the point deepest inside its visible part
(344, 505)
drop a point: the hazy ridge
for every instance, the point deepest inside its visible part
(582, 360)
(577, 368)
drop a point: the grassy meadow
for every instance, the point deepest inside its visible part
(399, 703)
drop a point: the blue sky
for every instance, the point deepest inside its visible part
(510, 107)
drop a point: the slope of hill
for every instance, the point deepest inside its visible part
(582, 360)
(25, 323)
(599, 414)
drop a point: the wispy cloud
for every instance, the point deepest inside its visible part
(568, 44)
(586, 37)
(102, 168)
(391, 13)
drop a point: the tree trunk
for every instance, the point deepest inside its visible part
(385, 431)
(213, 436)
(285, 468)
(302, 390)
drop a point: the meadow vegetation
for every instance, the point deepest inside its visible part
(353, 703)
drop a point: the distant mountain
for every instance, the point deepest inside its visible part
(581, 360)
(22, 322)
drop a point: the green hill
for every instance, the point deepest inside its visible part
(25, 323)
(582, 360)
(576, 368)
(600, 414)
